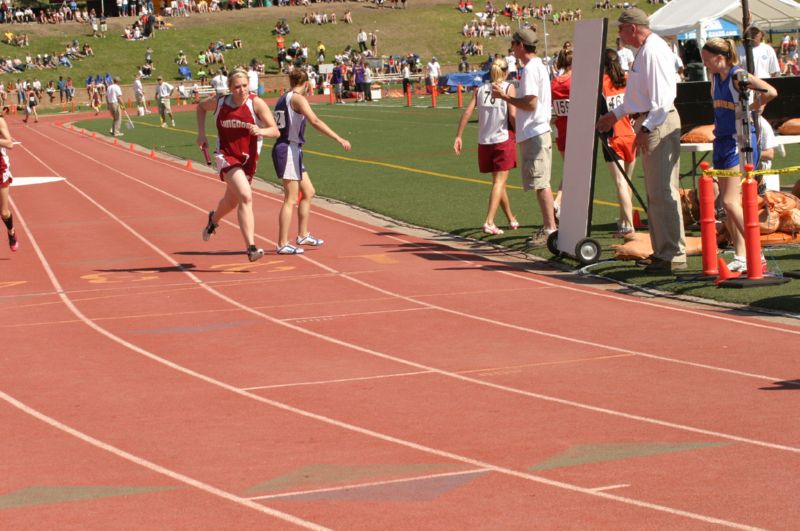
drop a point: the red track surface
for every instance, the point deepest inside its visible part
(382, 381)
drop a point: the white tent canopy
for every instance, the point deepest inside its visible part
(684, 15)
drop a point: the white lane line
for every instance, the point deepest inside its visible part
(355, 486)
(353, 314)
(448, 310)
(611, 487)
(341, 380)
(442, 372)
(352, 427)
(177, 476)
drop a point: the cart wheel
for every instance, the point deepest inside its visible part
(587, 251)
(552, 244)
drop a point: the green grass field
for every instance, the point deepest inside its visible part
(402, 165)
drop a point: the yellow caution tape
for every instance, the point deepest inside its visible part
(737, 173)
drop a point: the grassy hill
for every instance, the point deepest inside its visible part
(426, 27)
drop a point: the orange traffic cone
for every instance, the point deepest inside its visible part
(94, 135)
(131, 147)
(152, 154)
(724, 272)
(116, 142)
(188, 164)
(637, 221)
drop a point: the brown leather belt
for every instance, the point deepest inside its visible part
(638, 115)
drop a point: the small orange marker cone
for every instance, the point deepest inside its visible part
(188, 164)
(724, 272)
(116, 142)
(131, 147)
(83, 132)
(637, 221)
(152, 154)
(94, 135)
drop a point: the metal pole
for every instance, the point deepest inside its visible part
(746, 41)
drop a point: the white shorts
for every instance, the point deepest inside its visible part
(287, 159)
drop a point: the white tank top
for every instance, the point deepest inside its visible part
(492, 115)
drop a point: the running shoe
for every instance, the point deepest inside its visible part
(290, 249)
(540, 238)
(513, 224)
(739, 264)
(210, 228)
(491, 228)
(308, 239)
(254, 253)
(12, 242)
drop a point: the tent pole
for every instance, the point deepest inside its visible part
(746, 41)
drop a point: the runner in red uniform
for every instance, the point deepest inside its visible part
(559, 88)
(242, 120)
(6, 142)
(620, 140)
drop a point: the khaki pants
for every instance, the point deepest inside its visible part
(661, 162)
(116, 115)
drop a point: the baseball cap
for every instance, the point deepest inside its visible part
(634, 15)
(525, 36)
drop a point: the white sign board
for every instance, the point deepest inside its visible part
(581, 151)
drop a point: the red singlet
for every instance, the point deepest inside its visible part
(235, 145)
(560, 87)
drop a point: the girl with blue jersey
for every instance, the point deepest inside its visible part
(291, 113)
(721, 60)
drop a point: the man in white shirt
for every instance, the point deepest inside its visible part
(138, 93)
(511, 61)
(649, 100)
(163, 94)
(434, 69)
(533, 102)
(220, 83)
(113, 98)
(767, 145)
(765, 61)
(625, 56)
(252, 80)
(361, 39)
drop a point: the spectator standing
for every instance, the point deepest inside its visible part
(625, 56)
(337, 81)
(649, 100)
(252, 80)
(406, 71)
(361, 39)
(533, 103)
(620, 140)
(220, 83)
(496, 146)
(138, 94)
(163, 94)
(765, 61)
(113, 99)
(62, 88)
(358, 80)
(434, 70)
